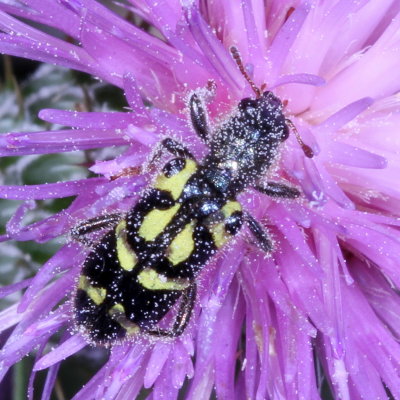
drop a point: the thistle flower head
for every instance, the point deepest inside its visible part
(323, 308)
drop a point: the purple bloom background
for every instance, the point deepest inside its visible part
(324, 308)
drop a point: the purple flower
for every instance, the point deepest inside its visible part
(324, 307)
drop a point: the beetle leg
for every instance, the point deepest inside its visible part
(275, 189)
(91, 225)
(260, 233)
(173, 147)
(198, 116)
(183, 316)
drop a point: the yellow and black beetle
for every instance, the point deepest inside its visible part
(150, 258)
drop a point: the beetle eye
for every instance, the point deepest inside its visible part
(285, 133)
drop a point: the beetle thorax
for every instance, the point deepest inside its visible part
(245, 146)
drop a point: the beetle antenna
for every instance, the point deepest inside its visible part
(306, 148)
(238, 59)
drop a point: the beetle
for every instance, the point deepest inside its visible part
(150, 258)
